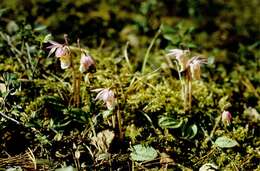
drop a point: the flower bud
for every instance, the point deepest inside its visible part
(85, 63)
(226, 118)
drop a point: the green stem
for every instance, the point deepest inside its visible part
(182, 82)
(190, 93)
(75, 76)
(76, 79)
(77, 49)
(77, 91)
(149, 49)
(186, 95)
(126, 57)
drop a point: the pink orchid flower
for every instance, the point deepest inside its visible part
(62, 52)
(194, 64)
(181, 56)
(85, 62)
(106, 95)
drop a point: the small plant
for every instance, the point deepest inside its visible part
(65, 54)
(190, 67)
(108, 97)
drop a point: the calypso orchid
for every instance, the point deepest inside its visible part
(181, 56)
(191, 70)
(194, 64)
(107, 96)
(86, 62)
(62, 52)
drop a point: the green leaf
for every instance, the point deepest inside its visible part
(107, 113)
(174, 39)
(211, 60)
(142, 153)
(190, 132)
(47, 38)
(223, 103)
(2, 11)
(169, 122)
(168, 29)
(225, 142)
(191, 45)
(40, 28)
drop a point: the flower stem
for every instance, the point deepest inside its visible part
(74, 76)
(75, 83)
(188, 90)
(182, 82)
(186, 95)
(119, 120)
(190, 94)
(77, 49)
(77, 91)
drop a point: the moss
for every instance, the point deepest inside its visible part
(40, 94)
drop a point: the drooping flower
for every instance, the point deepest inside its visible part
(226, 118)
(62, 52)
(107, 96)
(85, 62)
(65, 62)
(181, 56)
(194, 64)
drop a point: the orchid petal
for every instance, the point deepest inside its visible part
(52, 51)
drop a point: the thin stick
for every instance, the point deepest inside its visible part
(7, 117)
